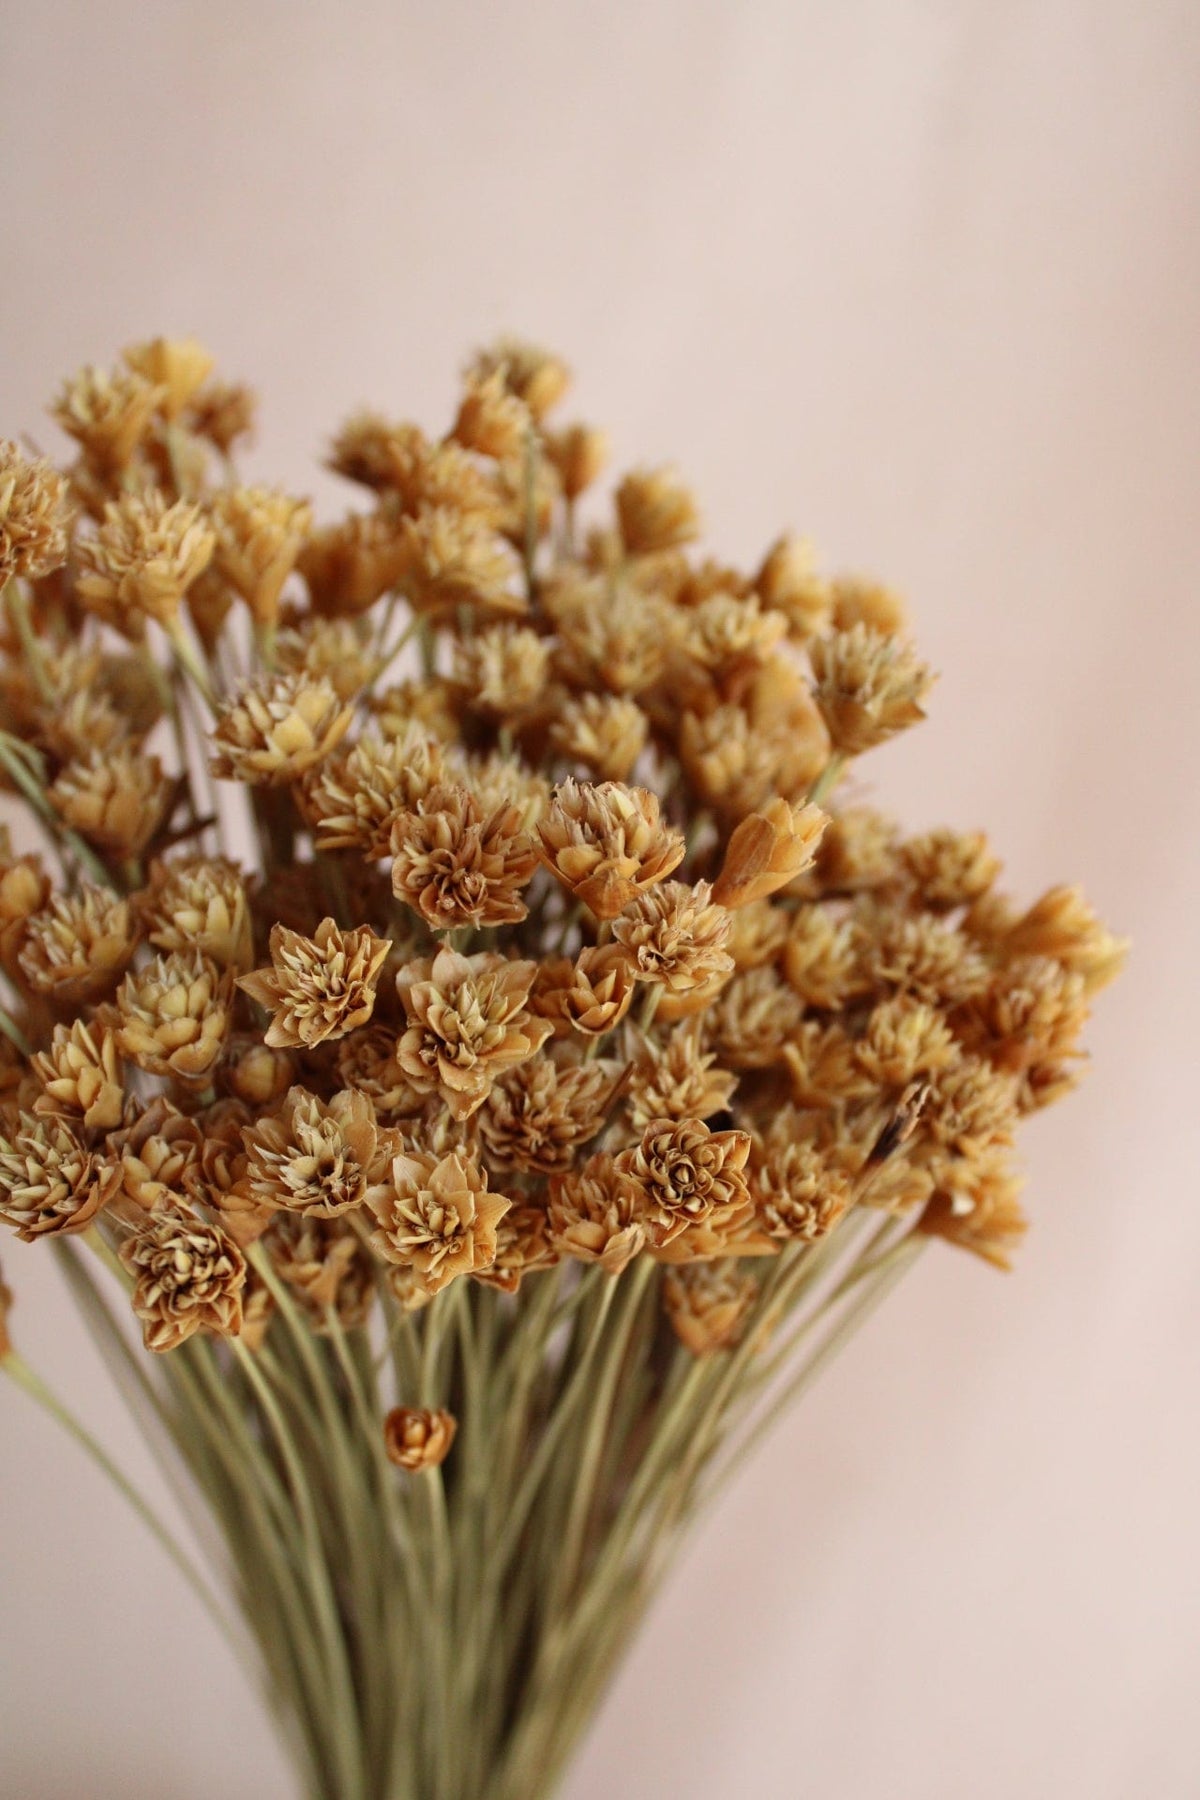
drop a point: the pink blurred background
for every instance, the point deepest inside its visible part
(920, 280)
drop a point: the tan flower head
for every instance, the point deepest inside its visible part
(199, 903)
(456, 866)
(677, 1079)
(319, 987)
(350, 565)
(188, 1277)
(733, 763)
(336, 650)
(905, 1038)
(259, 535)
(822, 957)
(868, 686)
(1062, 925)
(596, 1214)
(655, 511)
(531, 374)
(606, 843)
(355, 796)
(820, 1060)
(437, 1216)
(24, 891)
(971, 1107)
(179, 366)
(858, 852)
(81, 1077)
(579, 454)
(539, 1115)
(708, 1303)
(503, 668)
(415, 1438)
(374, 452)
(107, 414)
(729, 633)
(77, 948)
(468, 1022)
(277, 729)
(688, 1174)
(611, 635)
(326, 1267)
(790, 582)
(596, 991)
(605, 732)
(175, 1016)
(491, 419)
(222, 412)
(522, 1246)
(798, 1193)
(950, 868)
(317, 1158)
(676, 936)
(143, 559)
(366, 1060)
(982, 1215)
(116, 798)
(33, 516)
(156, 1153)
(255, 1073)
(922, 955)
(858, 601)
(753, 1018)
(452, 559)
(50, 1183)
(6, 1306)
(757, 934)
(767, 850)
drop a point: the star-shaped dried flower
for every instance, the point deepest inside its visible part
(81, 1076)
(355, 796)
(456, 865)
(596, 1214)
(319, 987)
(50, 1182)
(175, 1016)
(188, 1275)
(199, 903)
(676, 936)
(33, 516)
(415, 1438)
(468, 1022)
(437, 1216)
(606, 843)
(317, 1157)
(278, 728)
(605, 732)
(869, 686)
(540, 1113)
(259, 535)
(145, 556)
(688, 1175)
(116, 798)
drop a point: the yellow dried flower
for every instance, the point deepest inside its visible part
(491, 419)
(318, 1158)
(578, 454)
(349, 566)
(142, 561)
(655, 512)
(199, 903)
(107, 414)
(337, 649)
(532, 375)
(905, 1038)
(326, 1267)
(355, 796)
(858, 852)
(821, 957)
(753, 1018)
(255, 1073)
(175, 1016)
(857, 601)
(222, 412)
(33, 516)
(610, 636)
(729, 633)
(24, 891)
(437, 1216)
(606, 843)
(790, 583)
(178, 367)
(77, 948)
(50, 1183)
(595, 1214)
(677, 1079)
(708, 1303)
(117, 798)
(319, 987)
(597, 991)
(157, 1153)
(688, 1175)
(869, 686)
(468, 1022)
(676, 936)
(758, 932)
(767, 850)
(951, 868)
(188, 1277)
(983, 1215)
(799, 1194)
(605, 732)
(81, 1076)
(1062, 925)
(259, 535)
(541, 1113)
(367, 1060)
(415, 1438)
(452, 559)
(503, 669)
(277, 729)
(455, 865)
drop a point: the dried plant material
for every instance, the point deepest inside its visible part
(357, 794)
(142, 561)
(415, 1438)
(534, 376)
(222, 412)
(869, 686)
(107, 414)
(523, 1246)
(798, 1194)
(318, 1158)
(789, 582)
(655, 512)
(319, 987)
(984, 1215)
(257, 1074)
(605, 732)
(611, 636)
(33, 516)
(675, 935)
(708, 1304)
(688, 1175)
(1063, 927)
(451, 560)
(539, 1115)
(606, 843)
(259, 535)
(503, 669)
(175, 1016)
(858, 853)
(82, 1077)
(188, 1277)
(156, 1154)
(579, 454)
(24, 891)
(455, 865)
(199, 903)
(951, 868)
(176, 367)
(677, 1079)
(768, 850)
(277, 729)
(596, 993)
(857, 601)
(905, 1038)
(822, 957)
(753, 1018)
(326, 1268)
(437, 1216)
(115, 798)
(596, 1214)
(491, 418)
(76, 949)
(335, 650)
(467, 1023)
(50, 1182)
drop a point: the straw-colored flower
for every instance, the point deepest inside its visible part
(178, 367)
(596, 1214)
(982, 1215)
(523, 1246)
(50, 1182)
(326, 1267)
(533, 375)
(950, 868)
(539, 1115)
(799, 1194)
(677, 1079)
(868, 686)
(688, 1175)
(24, 891)
(606, 843)
(107, 414)
(77, 948)
(117, 798)
(255, 1073)
(676, 936)
(611, 636)
(317, 1157)
(337, 650)
(356, 794)
(605, 732)
(455, 865)
(822, 957)
(857, 600)
(437, 1216)
(199, 903)
(277, 729)
(754, 1016)
(1063, 926)
(259, 534)
(708, 1303)
(33, 516)
(452, 560)
(655, 511)
(468, 1021)
(81, 1076)
(319, 987)
(156, 1153)
(415, 1438)
(491, 418)
(595, 992)
(142, 561)
(175, 1016)
(367, 1061)
(349, 566)
(858, 852)
(188, 1277)
(502, 669)
(767, 850)
(222, 412)
(579, 454)
(790, 582)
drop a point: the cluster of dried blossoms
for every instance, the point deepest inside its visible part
(546, 941)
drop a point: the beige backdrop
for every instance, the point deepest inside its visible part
(922, 280)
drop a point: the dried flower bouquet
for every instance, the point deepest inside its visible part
(496, 1089)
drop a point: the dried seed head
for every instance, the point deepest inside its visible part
(677, 1079)
(175, 1015)
(676, 936)
(753, 1018)
(905, 1038)
(319, 987)
(857, 601)
(982, 1215)
(708, 1303)
(81, 1076)
(336, 650)
(596, 1214)
(452, 559)
(688, 1175)
(531, 374)
(491, 419)
(578, 454)
(356, 795)
(50, 1183)
(222, 412)
(326, 1267)
(199, 903)
(790, 582)
(503, 669)
(188, 1277)
(437, 1216)
(277, 729)
(798, 1193)
(34, 517)
(869, 686)
(349, 566)
(606, 843)
(595, 992)
(522, 1246)
(768, 850)
(415, 1438)
(366, 1060)
(315, 1157)
(822, 957)
(468, 1022)
(116, 798)
(24, 891)
(456, 866)
(605, 732)
(259, 534)
(1062, 925)
(611, 636)
(177, 366)
(142, 561)
(858, 852)
(950, 868)
(655, 511)
(77, 948)
(156, 1154)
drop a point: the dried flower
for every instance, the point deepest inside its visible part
(77, 948)
(983, 1215)
(33, 516)
(596, 1214)
(177, 367)
(688, 1174)
(277, 729)
(451, 560)
(951, 868)
(677, 1079)
(675, 935)
(144, 558)
(319, 987)
(767, 850)
(199, 903)
(532, 375)
(467, 1023)
(188, 1277)
(579, 454)
(24, 891)
(50, 1183)
(116, 798)
(156, 1153)
(107, 414)
(503, 669)
(539, 1115)
(456, 866)
(798, 1194)
(606, 843)
(356, 795)
(318, 1158)
(522, 1246)
(325, 1266)
(259, 535)
(415, 1438)
(598, 990)
(868, 686)
(437, 1216)
(753, 1018)
(789, 582)
(81, 1076)
(656, 512)
(605, 732)
(175, 1015)
(708, 1303)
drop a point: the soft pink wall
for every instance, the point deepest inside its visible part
(922, 280)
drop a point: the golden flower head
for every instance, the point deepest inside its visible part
(655, 511)
(522, 1246)
(675, 935)
(81, 1076)
(905, 1038)
(222, 412)
(437, 1216)
(255, 1073)
(822, 957)
(349, 566)
(503, 668)
(116, 798)
(534, 376)
(188, 1277)
(199, 903)
(708, 1303)
(338, 650)
(611, 636)
(50, 1182)
(539, 1114)
(605, 732)
(950, 868)
(107, 414)
(367, 1060)
(591, 995)
(579, 454)
(606, 843)
(983, 1214)
(451, 560)
(869, 686)
(790, 583)
(1063, 926)
(156, 1153)
(768, 850)
(798, 1193)
(753, 1018)
(259, 534)
(491, 418)
(24, 891)
(596, 1213)
(688, 1175)
(143, 559)
(33, 516)
(859, 601)
(858, 852)
(677, 1079)
(317, 1157)
(455, 865)
(177, 367)
(77, 948)
(277, 729)
(319, 987)
(758, 932)
(175, 1016)
(325, 1266)
(468, 1022)
(414, 1438)
(355, 796)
